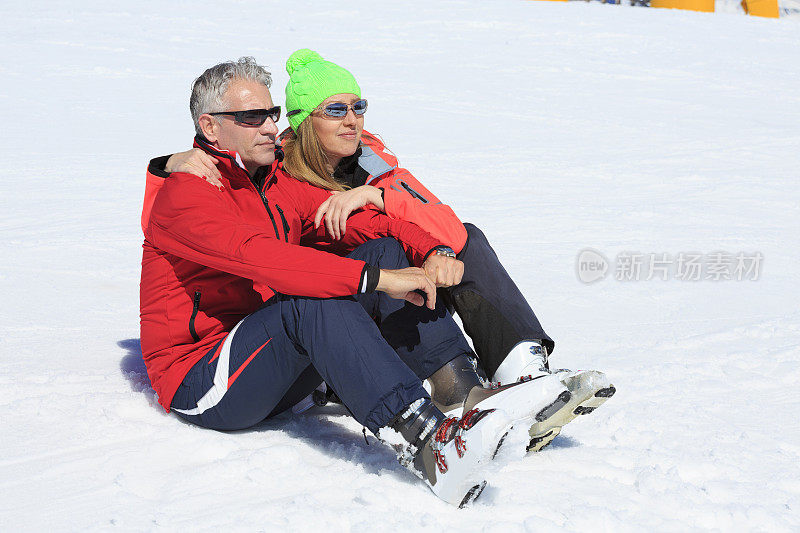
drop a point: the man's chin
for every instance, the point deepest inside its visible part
(266, 159)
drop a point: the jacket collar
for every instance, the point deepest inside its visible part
(228, 158)
(231, 160)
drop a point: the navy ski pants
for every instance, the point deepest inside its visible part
(493, 310)
(279, 354)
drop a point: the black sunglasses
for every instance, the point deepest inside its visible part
(337, 109)
(253, 117)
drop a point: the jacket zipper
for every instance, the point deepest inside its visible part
(271, 216)
(195, 309)
(266, 204)
(285, 224)
(412, 192)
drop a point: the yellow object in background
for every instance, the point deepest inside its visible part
(693, 5)
(758, 8)
(761, 8)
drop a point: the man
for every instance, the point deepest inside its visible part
(239, 321)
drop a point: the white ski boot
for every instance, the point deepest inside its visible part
(529, 402)
(588, 389)
(525, 359)
(450, 454)
(456, 389)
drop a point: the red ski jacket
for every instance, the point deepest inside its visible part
(212, 257)
(405, 198)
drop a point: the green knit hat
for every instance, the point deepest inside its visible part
(312, 80)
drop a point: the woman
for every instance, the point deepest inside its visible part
(328, 147)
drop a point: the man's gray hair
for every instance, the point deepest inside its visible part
(210, 87)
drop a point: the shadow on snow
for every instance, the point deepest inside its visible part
(315, 428)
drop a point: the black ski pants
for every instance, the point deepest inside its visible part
(494, 312)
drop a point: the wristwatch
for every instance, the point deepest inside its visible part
(445, 251)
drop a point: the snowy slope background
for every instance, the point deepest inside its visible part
(553, 126)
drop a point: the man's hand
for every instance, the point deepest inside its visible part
(338, 207)
(402, 284)
(443, 271)
(196, 162)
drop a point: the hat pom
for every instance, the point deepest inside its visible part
(301, 58)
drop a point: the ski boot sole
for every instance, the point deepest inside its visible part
(584, 400)
(541, 432)
(472, 495)
(476, 491)
(554, 407)
(478, 483)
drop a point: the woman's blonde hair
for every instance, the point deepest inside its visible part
(305, 159)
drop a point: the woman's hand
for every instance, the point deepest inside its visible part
(197, 162)
(338, 207)
(403, 283)
(443, 271)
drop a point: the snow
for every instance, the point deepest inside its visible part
(553, 126)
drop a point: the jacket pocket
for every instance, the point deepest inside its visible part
(195, 309)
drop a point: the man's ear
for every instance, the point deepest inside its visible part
(209, 126)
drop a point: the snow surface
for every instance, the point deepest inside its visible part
(553, 126)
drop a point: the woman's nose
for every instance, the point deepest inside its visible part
(349, 117)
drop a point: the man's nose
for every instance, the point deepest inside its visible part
(268, 127)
